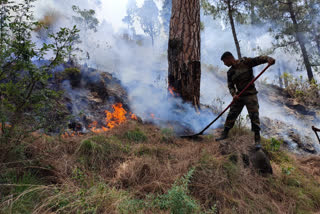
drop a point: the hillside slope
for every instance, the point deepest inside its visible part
(138, 168)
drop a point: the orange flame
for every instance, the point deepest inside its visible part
(133, 117)
(70, 134)
(5, 125)
(172, 90)
(153, 116)
(112, 119)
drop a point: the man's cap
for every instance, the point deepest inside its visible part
(226, 54)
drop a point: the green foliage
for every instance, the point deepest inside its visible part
(86, 18)
(136, 135)
(17, 185)
(177, 200)
(287, 170)
(307, 92)
(294, 29)
(273, 148)
(72, 74)
(220, 9)
(274, 145)
(26, 99)
(91, 199)
(99, 150)
(148, 16)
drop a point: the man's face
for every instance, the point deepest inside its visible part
(228, 61)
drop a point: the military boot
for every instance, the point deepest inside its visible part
(257, 140)
(224, 134)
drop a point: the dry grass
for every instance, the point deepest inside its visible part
(127, 169)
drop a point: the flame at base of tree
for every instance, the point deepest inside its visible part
(172, 91)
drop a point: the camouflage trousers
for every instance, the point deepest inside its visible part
(252, 104)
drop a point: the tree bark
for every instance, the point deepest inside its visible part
(300, 38)
(280, 79)
(317, 40)
(234, 33)
(184, 50)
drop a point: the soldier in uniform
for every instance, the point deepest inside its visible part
(239, 76)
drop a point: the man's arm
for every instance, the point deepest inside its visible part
(252, 62)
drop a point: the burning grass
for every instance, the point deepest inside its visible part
(138, 168)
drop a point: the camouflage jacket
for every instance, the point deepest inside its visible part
(241, 74)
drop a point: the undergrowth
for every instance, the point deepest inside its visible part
(134, 170)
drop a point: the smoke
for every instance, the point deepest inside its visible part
(142, 68)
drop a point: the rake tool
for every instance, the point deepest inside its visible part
(316, 130)
(233, 101)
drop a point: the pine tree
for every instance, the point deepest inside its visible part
(184, 50)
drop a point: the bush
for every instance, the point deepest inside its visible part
(18, 186)
(302, 90)
(72, 74)
(26, 99)
(136, 135)
(177, 200)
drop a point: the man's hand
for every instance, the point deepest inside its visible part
(271, 61)
(315, 129)
(235, 98)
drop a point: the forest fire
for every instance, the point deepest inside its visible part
(133, 117)
(112, 119)
(172, 91)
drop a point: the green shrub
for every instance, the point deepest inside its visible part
(302, 90)
(28, 103)
(19, 187)
(273, 149)
(136, 135)
(177, 200)
(72, 74)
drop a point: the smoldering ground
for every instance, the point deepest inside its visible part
(142, 68)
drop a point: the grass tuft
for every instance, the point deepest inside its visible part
(136, 135)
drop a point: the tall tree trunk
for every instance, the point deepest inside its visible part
(280, 79)
(314, 29)
(300, 38)
(234, 33)
(184, 50)
(317, 40)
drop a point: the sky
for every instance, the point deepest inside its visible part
(113, 11)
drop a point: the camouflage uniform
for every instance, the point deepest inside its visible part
(239, 77)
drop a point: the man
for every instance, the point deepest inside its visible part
(239, 76)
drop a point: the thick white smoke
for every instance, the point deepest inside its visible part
(142, 69)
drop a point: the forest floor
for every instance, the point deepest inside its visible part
(139, 168)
